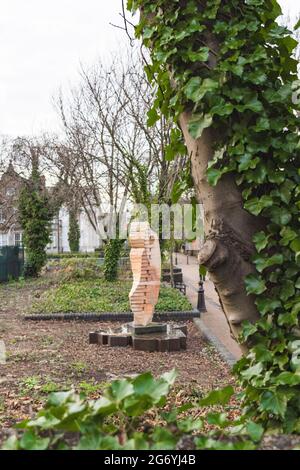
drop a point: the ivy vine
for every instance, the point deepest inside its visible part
(244, 88)
(74, 231)
(35, 216)
(112, 253)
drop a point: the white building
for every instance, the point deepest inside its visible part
(10, 228)
(89, 239)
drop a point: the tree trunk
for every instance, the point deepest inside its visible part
(229, 230)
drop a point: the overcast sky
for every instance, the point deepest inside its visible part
(42, 43)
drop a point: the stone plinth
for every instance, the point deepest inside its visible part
(158, 337)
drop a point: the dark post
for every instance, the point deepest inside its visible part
(201, 307)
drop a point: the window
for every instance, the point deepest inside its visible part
(18, 239)
(52, 238)
(3, 239)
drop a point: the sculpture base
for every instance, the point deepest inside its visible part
(148, 329)
(154, 337)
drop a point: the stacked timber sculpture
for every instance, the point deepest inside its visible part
(146, 268)
(143, 334)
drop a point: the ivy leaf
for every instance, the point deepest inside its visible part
(255, 206)
(104, 406)
(218, 397)
(263, 263)
(255, 431)
(163, 439)
(297, 25)
(59, 398)
(11, 443)
(30, 441)
(253, 371)
(288, 318)
(247, 161)
(288, 378)
(258, 77)
(262, 124)
(260, 240)
(274, 402)
(120, 389)
(253, 105)
(189, 425)
(266, 305)
(162, 56)
(248, 330)
(198, 123)
(222, 108)
(287, 235)
(279, 215)
(218, 419)
(213, 176)
(44, 422)
(178, 189)
(196, 89)
(192, 87)
(295, 245)
(262, 354)
(286, 190)
(170, 377)
(255, 284)
(199, 56)
(278, 96)
(287, 290)
(276, 176)
(153, 117)
(148, 32)
(258, 175)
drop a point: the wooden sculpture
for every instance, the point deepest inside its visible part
(146, 267)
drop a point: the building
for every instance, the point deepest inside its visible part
(10, 186)
(89, 239)
(11, 231)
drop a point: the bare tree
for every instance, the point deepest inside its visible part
(108, 148)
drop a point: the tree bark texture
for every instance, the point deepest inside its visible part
(229, 231)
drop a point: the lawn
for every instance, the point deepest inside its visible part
(97, 295)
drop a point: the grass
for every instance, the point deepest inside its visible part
(79, 367)
(29, 384)
(97, 295)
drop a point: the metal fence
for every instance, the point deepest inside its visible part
(11, 262)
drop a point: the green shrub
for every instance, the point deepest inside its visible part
(72, 269)
(35, 214)
(112, 254)
(117, 420)
(74, 231)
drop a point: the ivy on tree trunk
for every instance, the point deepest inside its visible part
(112, 253)
(35, 214)
(74, 231)
(225, 73)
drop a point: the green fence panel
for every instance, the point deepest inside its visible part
(11, 262)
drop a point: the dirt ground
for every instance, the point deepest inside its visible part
(49, 355)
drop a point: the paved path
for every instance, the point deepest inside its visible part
(214, 318)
